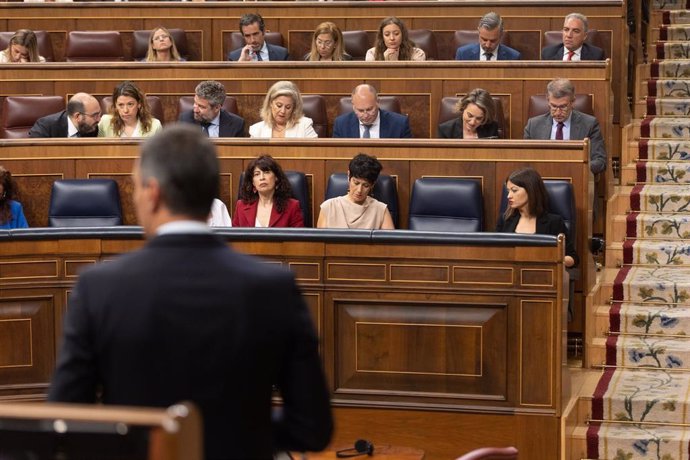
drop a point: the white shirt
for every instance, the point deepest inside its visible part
(566, 128)
(492, 57)
(219, 216)
(576, 56)
(183, 226)
(374, 128)
(71, 129)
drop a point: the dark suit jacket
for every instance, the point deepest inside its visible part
(275, 53)
(231, 125)
(472, 52)
(581, 126)
(393, 125)
(547, 224)
(245, 215)
(452, 129)
(588, 53)
(186, 318)
(54, 125)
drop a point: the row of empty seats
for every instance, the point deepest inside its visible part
(19, 113)
(91, 46)
(442, 204)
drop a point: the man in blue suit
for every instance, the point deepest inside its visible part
(256, 48)
(489, 47)
(574, 47)
(368, 121)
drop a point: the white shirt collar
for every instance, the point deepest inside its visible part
(71, 129)
(183, 226)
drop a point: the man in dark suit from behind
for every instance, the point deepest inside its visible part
(187, 318)
(562, 122)
(489, 47)
(367, 120)
(79, 120)
(208, 112)
(256, 47)
(573, 48)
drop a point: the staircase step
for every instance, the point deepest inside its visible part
(662, 150)
(666, 127)
(648, 351)
(653, 284)
(615, 441)
(666, 226)
(663, 172)
(657, 252)
(660, 198)
(638, 318)
(680, 16)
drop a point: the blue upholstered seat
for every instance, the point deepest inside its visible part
(446, 204)
(84, 203)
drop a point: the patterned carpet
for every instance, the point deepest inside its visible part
(641, 406)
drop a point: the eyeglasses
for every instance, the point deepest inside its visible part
(160, 38)
(92, 115)
(325, 44)
(556, 108)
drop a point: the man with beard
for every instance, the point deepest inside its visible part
(489, 47)
(79, 120)
(209, 114)
(367, 120)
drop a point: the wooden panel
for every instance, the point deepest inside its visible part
(537, 360)
(21, 269)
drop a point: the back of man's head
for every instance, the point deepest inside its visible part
(184, 163)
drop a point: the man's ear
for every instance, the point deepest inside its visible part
(152, 193)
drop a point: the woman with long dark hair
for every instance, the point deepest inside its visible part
(11, 213)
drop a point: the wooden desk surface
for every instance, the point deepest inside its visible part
(382, 452)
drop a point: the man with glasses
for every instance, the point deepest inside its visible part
(562, 122)
(79, 120)
(367, 120)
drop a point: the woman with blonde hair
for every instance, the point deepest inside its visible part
(162, 47)
(282, 114)
(327, 44)
(476, 118)
(22, 47)
(130, 115)
(393, 44)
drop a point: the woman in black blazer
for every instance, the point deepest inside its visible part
(476, 118)
(527, 211)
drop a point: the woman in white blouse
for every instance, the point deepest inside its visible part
(282, 115)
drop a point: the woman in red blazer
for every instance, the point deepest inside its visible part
(266, 197)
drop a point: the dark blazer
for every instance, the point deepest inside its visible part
(275, 53)
(452, 129)
(245, 215)
(472, 52)
(581, 125)
(547, 224)
(588, 53)
(187, 318)
(393, 125)
(231, 125)
(54, 125)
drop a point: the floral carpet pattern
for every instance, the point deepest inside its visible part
(641, 406)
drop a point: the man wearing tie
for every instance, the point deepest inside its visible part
(209, 114)
(79, 120)
(367, 120)
(256, 48)
(489, 47)
(573, 48)
(562, 122)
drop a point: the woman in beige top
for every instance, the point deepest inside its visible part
(357, 209)
(393, 44)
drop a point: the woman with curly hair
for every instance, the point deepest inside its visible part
(130, 115)
(393, 44)
(266, 197)
(11, 213)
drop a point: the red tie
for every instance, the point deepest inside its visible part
(570, 55)
(559, 131)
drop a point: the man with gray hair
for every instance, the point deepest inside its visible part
(79, 120)
(489, 47)
(562, 122)
(573, 48)
(209, 114)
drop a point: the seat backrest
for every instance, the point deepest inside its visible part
(19, 113)
(45, 44)
(237, 40)
(84, 203)
(300, 190)
(446, 204)
(356, 44)
(140, 43)
(425, 39)
(561, 202)
(91, 46)
(186, 103)
(315, 108)
(388, 103)
(491, 453)
(538, 104)
(154, 104)
(446, 112)
(386, 191)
